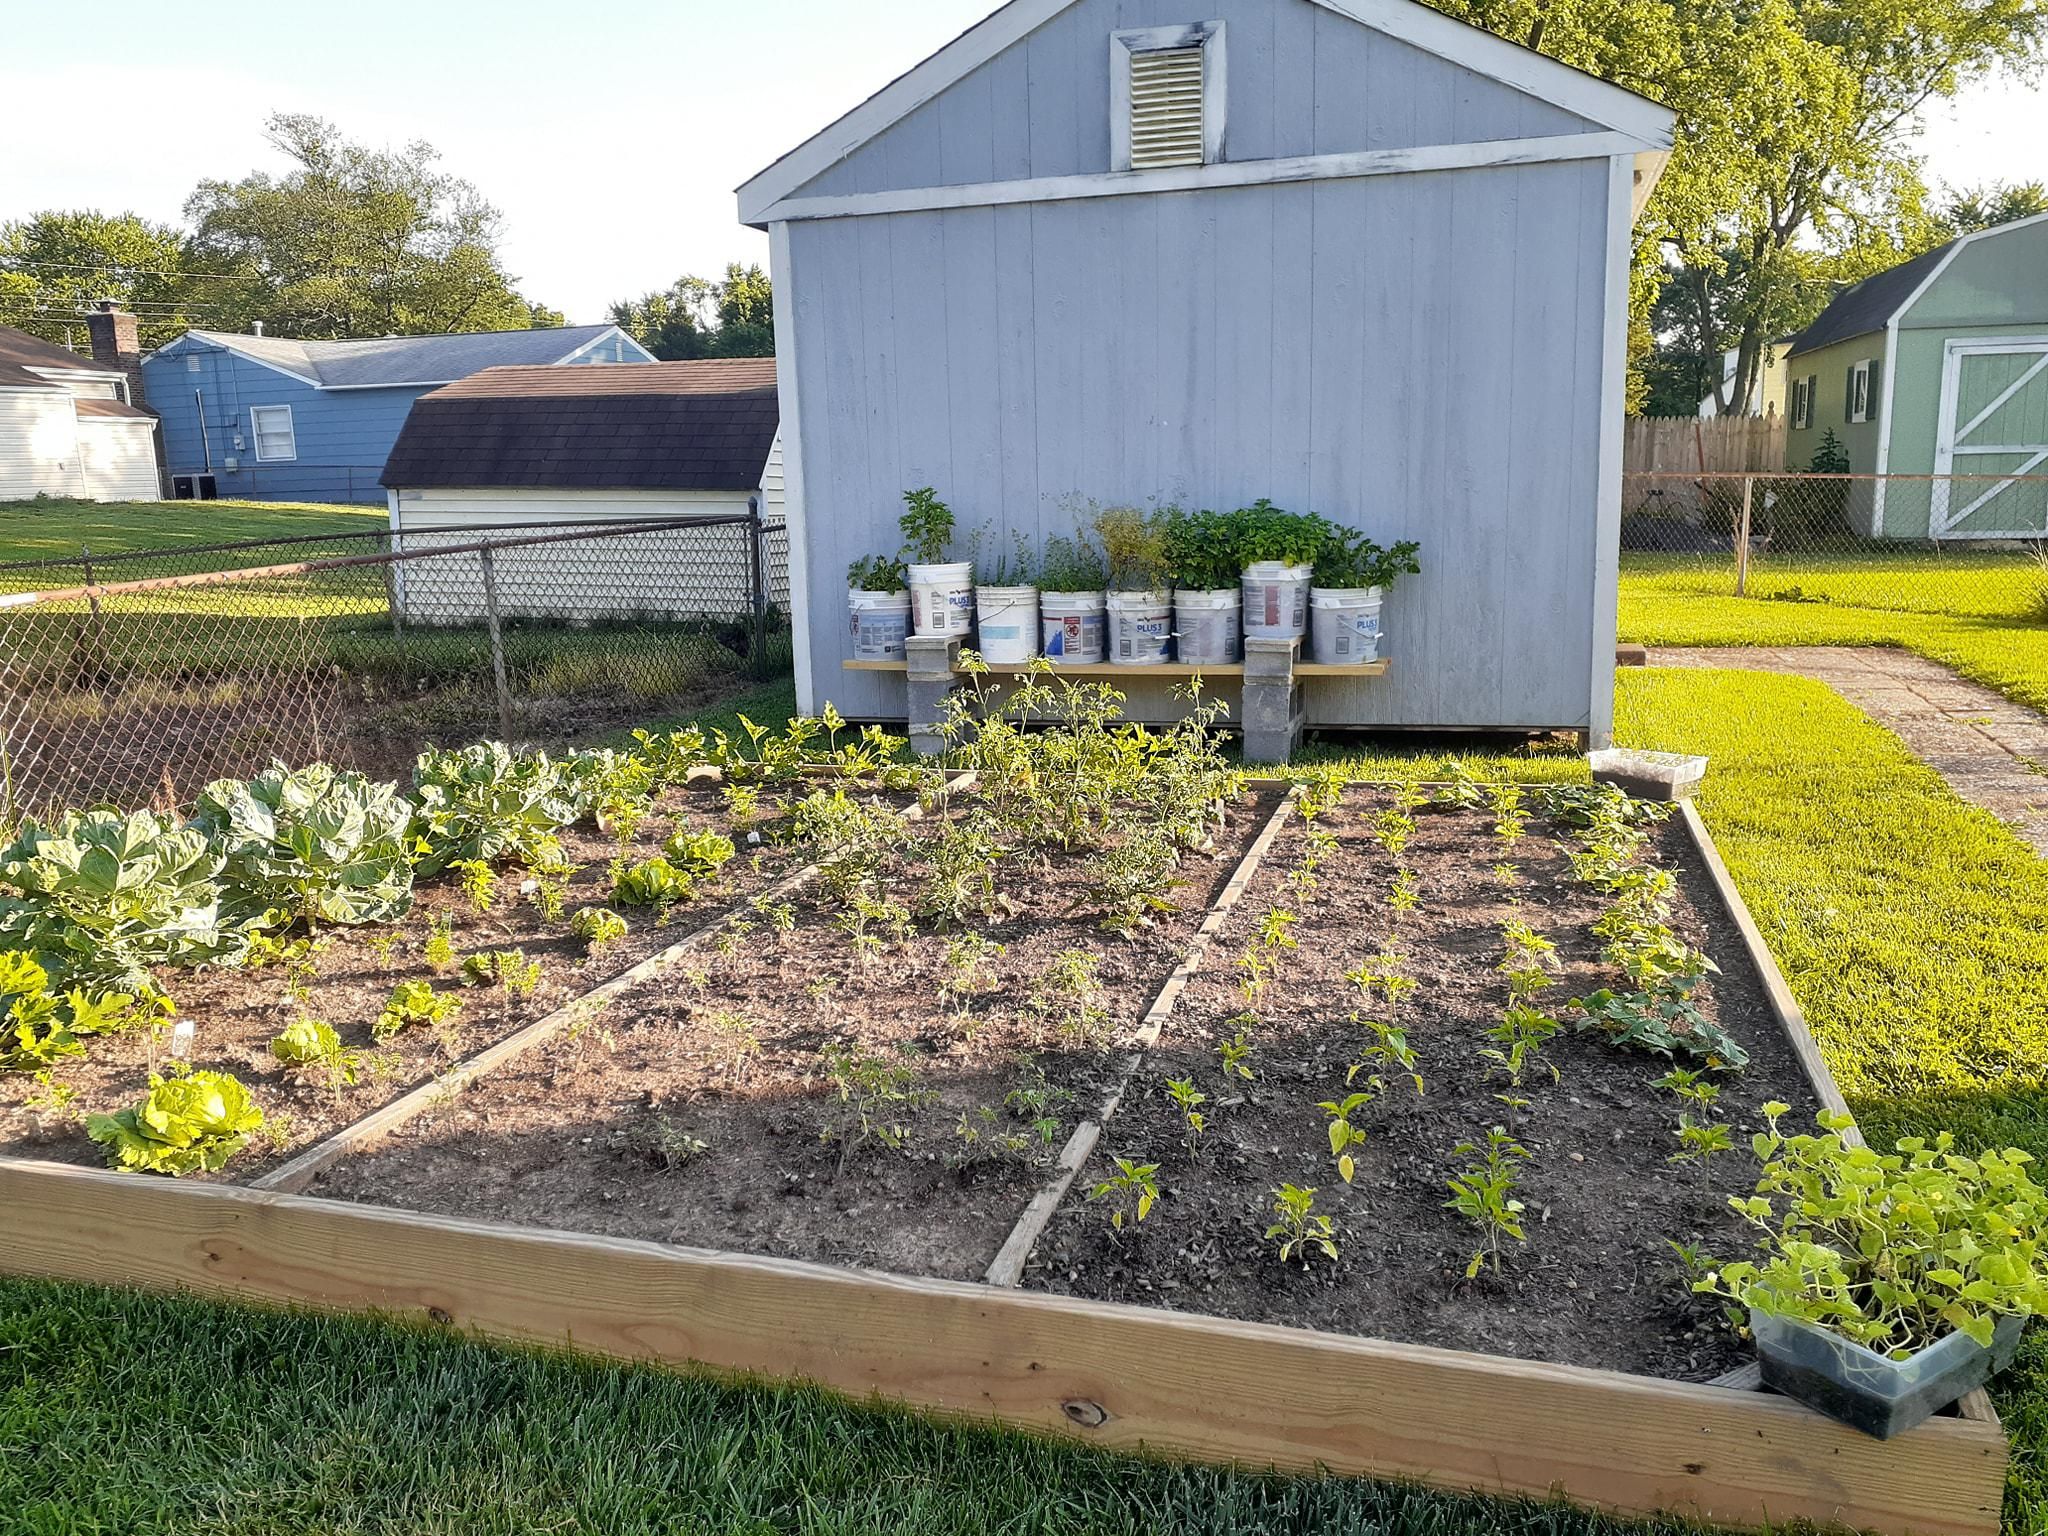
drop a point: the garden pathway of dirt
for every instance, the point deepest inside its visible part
(1992, 752)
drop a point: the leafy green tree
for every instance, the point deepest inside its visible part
(697, 317)
(355, 241)
(1793, 168)
(54, 265)
(1968, 209)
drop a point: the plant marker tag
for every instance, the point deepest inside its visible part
(528, 887)
(182, 1031)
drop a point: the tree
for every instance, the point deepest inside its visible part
(55, 265)
(696, 317)
(1792, 170)
(356, 241)
(1966, 210)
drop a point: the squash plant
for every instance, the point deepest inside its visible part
(187, 1123)
(1891, 1250)
(317, 843)
(37, 1027)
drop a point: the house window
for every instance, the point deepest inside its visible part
(1802, 402)
(271, 425)
(1858, 393)
(1166, 96)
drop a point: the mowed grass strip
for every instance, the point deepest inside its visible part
(55, 528)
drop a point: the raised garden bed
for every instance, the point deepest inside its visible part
(798, 1086)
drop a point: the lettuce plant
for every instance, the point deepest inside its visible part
(318, 843)
(653, 883)
(184, 1124)
(414, 1003)
(313, 1043)
(486, 801)
(597, 927)
(698, 853)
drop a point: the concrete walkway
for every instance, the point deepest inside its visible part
(1993, 752)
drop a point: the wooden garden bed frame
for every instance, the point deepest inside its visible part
(1125, 1378)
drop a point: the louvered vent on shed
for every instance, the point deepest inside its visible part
(1166, 107)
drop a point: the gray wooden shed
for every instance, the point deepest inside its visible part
(1381, 274)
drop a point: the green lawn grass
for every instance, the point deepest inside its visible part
(1912, 927)
(55, 528)
(1985, 616)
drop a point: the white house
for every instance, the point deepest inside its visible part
(1351, 255)
(68, 426)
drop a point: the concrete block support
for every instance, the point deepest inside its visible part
(928, 680)
(1273, 709)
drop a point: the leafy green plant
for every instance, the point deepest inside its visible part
(42, 1027)
(1483, 1192)
(1131, 1191)
(1068, 995)
(653, 883)
(700, 854)
(1297, 1228)
(878, 573)
(311, 1043)
(414, 1004)
(1236, 1055)
(1071, 564)
(927, 525)
(439, 951)
(320, 843)
(1344, 1133)
(1664, 1026)
(1461, 791)
(1890, 1249)
(489, 801)
(479, 883)
(969, 967)
(515, 975)
(1263, 531)
(1391, 829)
(1199, 553)
(1403, 894)
(1133, 546)
(960, 869)
(875, 1092)
(186, 1123)
(1348, 558)
(597, 927)
(1188, 1099)
(1387, 1054)
(1131, 882)
(1518, 1041)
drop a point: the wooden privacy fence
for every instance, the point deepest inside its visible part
(1708, 445)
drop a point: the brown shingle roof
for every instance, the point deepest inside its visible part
(90, 406)
(704, 425)
(26, 351)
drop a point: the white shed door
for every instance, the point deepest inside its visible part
(1994, 423)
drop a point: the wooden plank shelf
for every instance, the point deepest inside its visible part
(1162, 669)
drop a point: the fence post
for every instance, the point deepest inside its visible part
(1742, 538)
(93, 674)
(759, 646)
(497, 635)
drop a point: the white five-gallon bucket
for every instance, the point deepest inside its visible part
(1275, 600)
(880, 621)
(942, 598)
(1140, 628)
(1346, 624)
(1206, 624)
(1070, 627)
(1009, 623)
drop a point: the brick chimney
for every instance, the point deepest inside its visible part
(116, 345)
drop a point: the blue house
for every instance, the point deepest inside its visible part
(268, 418)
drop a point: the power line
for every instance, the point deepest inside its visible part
(19, 263)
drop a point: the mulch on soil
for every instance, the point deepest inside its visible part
(236, 1013)
(1596, 1283)
(595, 1134)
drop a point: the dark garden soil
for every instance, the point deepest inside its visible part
(236, 1013)
(1596, 1283)
(600, 1133)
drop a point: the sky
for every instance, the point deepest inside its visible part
(611, 133)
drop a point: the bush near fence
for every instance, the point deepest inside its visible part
(142, 689)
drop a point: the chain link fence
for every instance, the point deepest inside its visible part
(153, 673)
(1966, 546)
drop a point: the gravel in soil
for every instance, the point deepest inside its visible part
(237, 1012)
(701, 1109)
(1597, 1282)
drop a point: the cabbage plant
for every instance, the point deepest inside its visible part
(486, 801)
(318, 843)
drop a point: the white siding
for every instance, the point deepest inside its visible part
(118, 458)
(772, 503)
(38, 444)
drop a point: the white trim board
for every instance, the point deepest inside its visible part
(205, 344)
(789, 430)
(1229, 173)
(1648, 125)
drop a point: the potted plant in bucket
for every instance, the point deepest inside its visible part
(941, 590)
(878, 597)
(1350, 575)
(1201, 559)
(1006, 605)
(1888, 1284)
(1139, 605)
(1276, 552)
(1070, 601)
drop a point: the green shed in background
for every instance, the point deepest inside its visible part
(1937, 367)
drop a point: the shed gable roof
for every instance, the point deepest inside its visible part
(704, 425)
(1483, 53)
(386, 361)
(1874, 303)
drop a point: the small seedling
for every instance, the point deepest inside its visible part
(1189, 1100)
(1389, 1053)
(779, 915)
(1483, 1193)
(515, 975)
(1699, 1140)
(874, 1091)
(1391, 829)
(1274, 928)
(1067, 994)
(440, 948)
(479, 882)
(1344, 1135)
(310, 1043)
(1507, 874)
(735, 1038)
(1297, 1228)
(381, 947)
(984, 1137)
(1508, 816)
(1236, 1054)
(411, 1004)
(1403, 895)
(1132, 1191)
(663, 1142)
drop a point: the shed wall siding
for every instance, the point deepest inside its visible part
(117, 459)
(38, 444)
(1301, 80)
(1998, 280)
(1417, 355)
